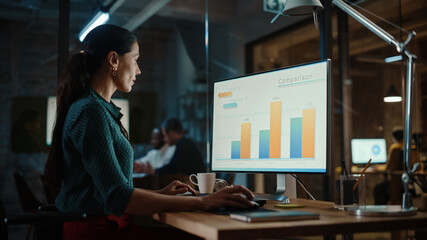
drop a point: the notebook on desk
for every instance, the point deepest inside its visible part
(231, 210)
(273, 216)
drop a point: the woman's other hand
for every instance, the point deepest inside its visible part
(139, 167)
(228, 197)
(177, 187)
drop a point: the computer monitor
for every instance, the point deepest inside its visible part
(273, 122)
(368, 148)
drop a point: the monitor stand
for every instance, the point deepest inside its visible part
(281, 180)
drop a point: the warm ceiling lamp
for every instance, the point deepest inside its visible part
(392, 95)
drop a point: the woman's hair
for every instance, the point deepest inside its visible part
(74, 82)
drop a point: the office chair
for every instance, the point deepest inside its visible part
(29, 202)
(46, 220)
(50, 191)
(47, 225)
(3, 226)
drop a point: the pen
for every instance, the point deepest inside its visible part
(361, 174)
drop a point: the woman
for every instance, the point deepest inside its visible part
(91, 156)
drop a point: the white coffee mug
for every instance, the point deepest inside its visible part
(207, 182)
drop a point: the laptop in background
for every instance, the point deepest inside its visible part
(363, 149)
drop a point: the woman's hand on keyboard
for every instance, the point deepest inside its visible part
(233, 196)
(177, 187)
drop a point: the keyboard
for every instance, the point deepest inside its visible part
(258, 203)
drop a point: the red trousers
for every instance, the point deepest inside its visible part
(112, 227)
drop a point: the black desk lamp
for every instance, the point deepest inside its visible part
(300, 7)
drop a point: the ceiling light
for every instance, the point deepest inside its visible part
(393, 59)
(100, 18)
(392, 95)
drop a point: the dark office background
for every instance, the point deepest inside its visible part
(173, 80)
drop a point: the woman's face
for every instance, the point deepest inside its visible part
(127, 69)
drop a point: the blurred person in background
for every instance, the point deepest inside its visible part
(157, 157)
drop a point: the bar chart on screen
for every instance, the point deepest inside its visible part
(300, 134)
(275, 124)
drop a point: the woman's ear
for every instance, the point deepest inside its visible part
(113, 59)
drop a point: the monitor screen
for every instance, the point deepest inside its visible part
(274, 121)
(369, 148)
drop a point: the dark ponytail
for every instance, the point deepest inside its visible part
(74, 82)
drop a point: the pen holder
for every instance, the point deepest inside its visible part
(350, 191)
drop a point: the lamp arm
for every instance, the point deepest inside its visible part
(401, 48)
(369, 24)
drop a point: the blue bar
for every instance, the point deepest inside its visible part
(296, 137)
(229, 105)
(264, 143)
(235, 149)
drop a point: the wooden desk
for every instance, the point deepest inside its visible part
(331, 222)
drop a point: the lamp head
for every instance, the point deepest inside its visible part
(301, 7)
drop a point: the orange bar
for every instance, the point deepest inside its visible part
(275, 128)
(225, 94)
(245, 140)
(308, 133)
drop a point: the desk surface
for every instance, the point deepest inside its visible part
(332, 221)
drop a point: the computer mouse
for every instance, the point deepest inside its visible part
(254, 206)
(226, 210)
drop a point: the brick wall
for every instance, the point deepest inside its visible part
(27, 69)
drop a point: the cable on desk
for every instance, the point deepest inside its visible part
(303, 186)
(417, 182)
(301, 183)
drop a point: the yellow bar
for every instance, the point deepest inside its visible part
(245, 140)
(225, 94)
(308, 133)
(275, 128)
